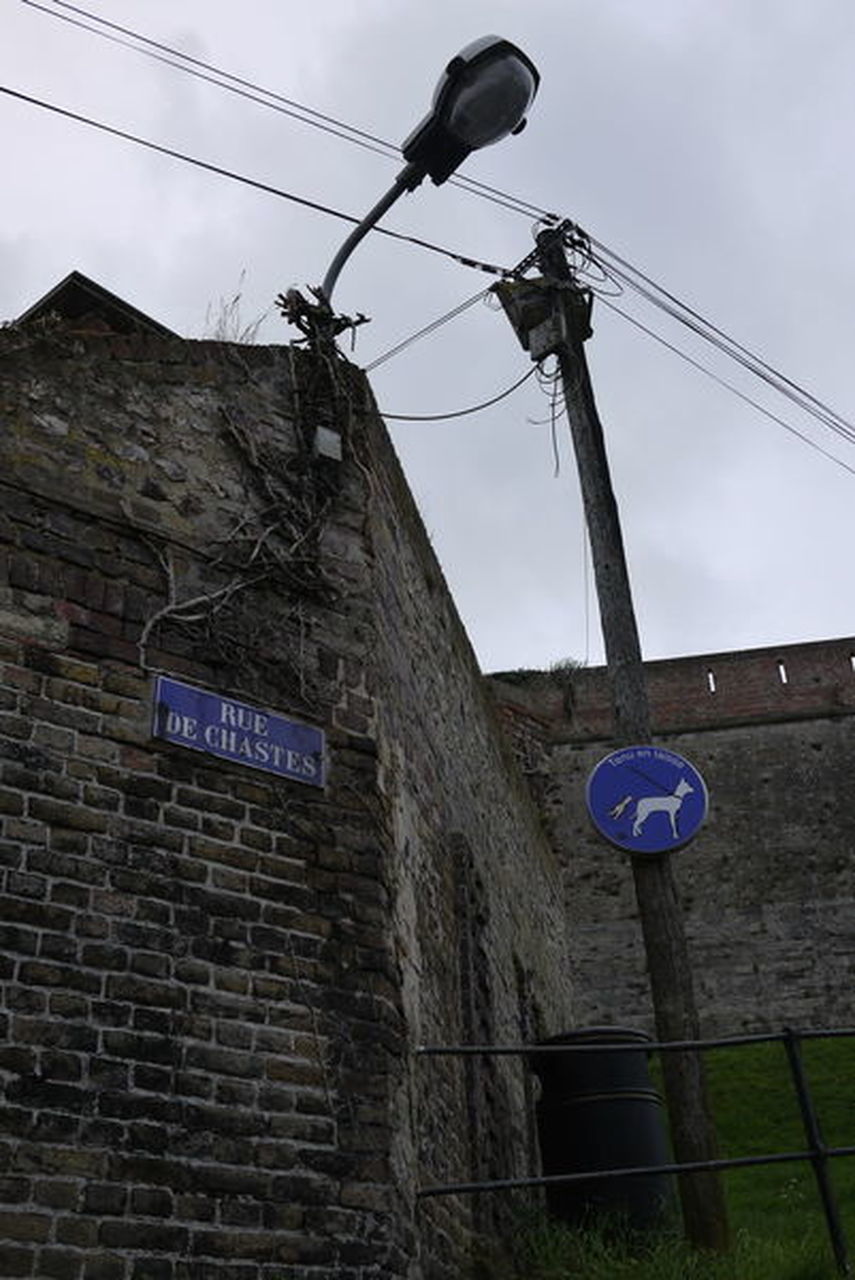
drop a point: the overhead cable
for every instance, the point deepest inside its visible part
(447, 316)
(611, 261)
(659, 297)
(314, 205)
(266, 97)
(728, 386)
(427, 329)
(63, 9)
(336, 213)
(189, 65)
(462, 413)
(617, 268)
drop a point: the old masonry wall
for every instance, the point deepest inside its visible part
(768, 885)
(214, 978)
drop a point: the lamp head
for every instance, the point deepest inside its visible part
(483, 96)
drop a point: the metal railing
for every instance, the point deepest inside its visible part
(817, 1152)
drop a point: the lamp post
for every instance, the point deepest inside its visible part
(552, 316)
(482, 96)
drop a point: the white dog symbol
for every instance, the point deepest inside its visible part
(655, 804)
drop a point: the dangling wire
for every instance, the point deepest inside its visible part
(461, 413)
(548, 379)
(553, 427)
(586, 586)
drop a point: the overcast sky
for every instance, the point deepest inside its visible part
(708, 143)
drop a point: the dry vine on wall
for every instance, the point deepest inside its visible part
(249, 604)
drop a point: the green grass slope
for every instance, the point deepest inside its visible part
(776, 1217)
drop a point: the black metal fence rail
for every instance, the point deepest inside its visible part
(651, 1046)
(817, 1153)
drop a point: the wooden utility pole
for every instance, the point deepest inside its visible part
(692, 1131)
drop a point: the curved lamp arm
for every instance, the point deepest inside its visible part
(482, 96)
(407, 180)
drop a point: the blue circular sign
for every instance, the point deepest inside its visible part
(646, 799)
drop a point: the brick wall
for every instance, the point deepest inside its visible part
(213, 978)
(768, 886)
(759, 686)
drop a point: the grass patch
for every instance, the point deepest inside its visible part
(776, 1218)
(551, 1252)
(756, 1112)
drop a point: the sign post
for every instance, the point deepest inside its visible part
(668, 962)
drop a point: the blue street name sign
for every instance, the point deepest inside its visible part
(232, 730)
(646, 799)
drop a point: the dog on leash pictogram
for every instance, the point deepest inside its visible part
(647, 805)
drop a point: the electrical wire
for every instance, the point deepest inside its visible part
(711, 333)
(785, 387)
(267, 97)
(618, 270)
(586, 585)
(462, 413)
(659, 289)
(222, 79)
(548, 382)
(219, 171)
(445, 317)
(427, 329)
(619, 266)
(612, 265)
(729, 386)
(317, 207)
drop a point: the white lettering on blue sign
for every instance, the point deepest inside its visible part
(232, 730)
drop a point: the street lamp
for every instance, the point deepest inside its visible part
(482, 96)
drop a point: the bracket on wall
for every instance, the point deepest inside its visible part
(316, 321)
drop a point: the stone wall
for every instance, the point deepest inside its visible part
(768, 886)
(478, 897)
(214, 979)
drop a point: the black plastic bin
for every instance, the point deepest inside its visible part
(600, 1111)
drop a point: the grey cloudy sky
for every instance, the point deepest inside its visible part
(708, 143)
